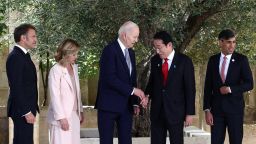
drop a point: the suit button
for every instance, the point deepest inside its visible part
(163, 90)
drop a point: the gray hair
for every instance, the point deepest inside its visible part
(126, 27)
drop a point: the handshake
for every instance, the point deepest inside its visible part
(142, 96)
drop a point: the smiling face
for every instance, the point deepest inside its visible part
(227, 45)
(162, 49)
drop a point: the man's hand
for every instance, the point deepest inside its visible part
(136, 110)
(188, 120)
(144, 102)
(209, 118)
(139, 93)
(64, 124)
(30, 118)
(225, 90)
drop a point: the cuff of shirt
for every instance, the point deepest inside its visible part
(26, 114)
(132, 91)
(229, 89)
(207, 110)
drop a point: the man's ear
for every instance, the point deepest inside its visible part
(169, 44)
(22, 37)
(220, 42)
(124, 35)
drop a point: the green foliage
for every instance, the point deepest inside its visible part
(239, 16)
(194, 25)
(95, 23)
(3, 26)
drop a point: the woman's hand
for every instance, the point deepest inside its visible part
(64, 124)
(81, 117)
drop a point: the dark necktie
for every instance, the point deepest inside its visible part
(28, 55)
(128, 60)
(165, 71)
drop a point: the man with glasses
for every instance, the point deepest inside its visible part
(171, 89)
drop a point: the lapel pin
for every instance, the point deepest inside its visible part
(233, 60)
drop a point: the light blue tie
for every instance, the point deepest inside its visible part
(128, 60)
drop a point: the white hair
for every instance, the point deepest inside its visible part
(126, 27)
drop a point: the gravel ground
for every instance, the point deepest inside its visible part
(249, 138)
(249, 134)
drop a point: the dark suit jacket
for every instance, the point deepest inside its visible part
(21, 73)
(239, 78)
(115, 82)
(177, 98)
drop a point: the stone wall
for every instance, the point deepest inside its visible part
(3, 79)
(4, 123)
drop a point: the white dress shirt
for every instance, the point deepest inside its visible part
(22, 48)
(227, 63)
(170, 59)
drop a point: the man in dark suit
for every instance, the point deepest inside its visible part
(21, 72)
(117, 96)
(171, 89)
(228, 76)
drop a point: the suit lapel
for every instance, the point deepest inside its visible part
(77, 86)
(230, 67)
(217, 68)
(132, 57)
(67, 78)
(172, 69)
(76, 78)
(159, 63)
(122, 58)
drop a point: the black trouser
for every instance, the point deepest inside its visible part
(23, 131)
(234, 125)
(106, 122)
(159, 128)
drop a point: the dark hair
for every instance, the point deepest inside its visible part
(22, 30)
(164, 36)
(226, 34)
(66, 47)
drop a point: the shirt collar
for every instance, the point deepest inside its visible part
(22, 48)
(228, 56)
(121, 45)
(170, 56)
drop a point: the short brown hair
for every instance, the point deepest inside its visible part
(68, 46)
(22, 30)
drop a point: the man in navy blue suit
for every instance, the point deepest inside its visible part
(21, 73)
(228, 76)
(118, 97)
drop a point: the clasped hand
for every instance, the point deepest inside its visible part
(141, 95)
